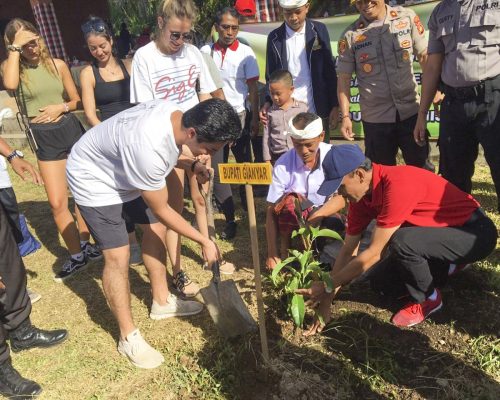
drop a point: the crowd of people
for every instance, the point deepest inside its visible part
(171, 114)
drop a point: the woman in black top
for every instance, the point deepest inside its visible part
(106, 85)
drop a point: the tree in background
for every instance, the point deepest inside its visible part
(137, 13)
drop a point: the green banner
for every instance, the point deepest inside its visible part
(256, 35)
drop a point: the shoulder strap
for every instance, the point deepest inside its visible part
(124, 69)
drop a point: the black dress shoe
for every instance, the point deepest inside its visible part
(14, 386)
(229, 231)
(34, 337)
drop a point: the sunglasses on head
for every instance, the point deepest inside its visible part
(94, 26)
(186, 37)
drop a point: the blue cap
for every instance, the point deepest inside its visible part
(338, 162)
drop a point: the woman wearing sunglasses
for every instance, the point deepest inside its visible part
(106, 86)
(171, 68)
(47, 95)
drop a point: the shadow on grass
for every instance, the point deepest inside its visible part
(406, 359)
(39, 216)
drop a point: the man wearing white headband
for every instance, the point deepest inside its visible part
(298, 174)
(302, 46)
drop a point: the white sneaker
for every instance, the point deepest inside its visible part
(34, 297)
(175, 307)
(139, 352)
(135, 254)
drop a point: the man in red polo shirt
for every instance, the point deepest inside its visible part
(425, 224)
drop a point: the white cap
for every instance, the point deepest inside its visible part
(291, 4)
(311, 131)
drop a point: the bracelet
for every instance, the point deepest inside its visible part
(13, 47)
(341, 116)
(194, 164)
(66, 107)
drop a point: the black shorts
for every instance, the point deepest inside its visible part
(55, 140)
(107, 224)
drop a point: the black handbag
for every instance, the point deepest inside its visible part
(22, 118)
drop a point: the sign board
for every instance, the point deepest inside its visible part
(246, 173)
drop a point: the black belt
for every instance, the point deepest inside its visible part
(464, 93)
(476, 216)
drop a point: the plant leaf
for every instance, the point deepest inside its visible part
(279, 267)
(292, 285)
(327, 233)
(298, 309)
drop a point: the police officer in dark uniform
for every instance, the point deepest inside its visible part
(15, 305)
(464, 61)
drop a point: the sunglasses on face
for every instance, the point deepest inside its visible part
(94, 26)
(186, 37)
(230, 27)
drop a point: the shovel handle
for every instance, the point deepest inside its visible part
(216, 272)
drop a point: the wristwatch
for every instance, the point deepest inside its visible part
(14, 154)
(13, 47)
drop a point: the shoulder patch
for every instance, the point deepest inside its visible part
(394, 14)
(342, 45)
(418, 24)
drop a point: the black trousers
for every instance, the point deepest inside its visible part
(464, 124)
(9, 202)
(15, 305)
(382, 141)
(418, 258)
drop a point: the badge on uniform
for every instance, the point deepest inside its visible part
(418, 24)
(342, 46)
(367, 68)
(360, 38)
(363, 57)
(394, 14)
(361, 25)
(406, 55)
(401, 25)
(405, 44)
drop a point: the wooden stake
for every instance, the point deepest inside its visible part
(256, 265)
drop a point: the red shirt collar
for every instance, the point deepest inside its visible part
(233, 47)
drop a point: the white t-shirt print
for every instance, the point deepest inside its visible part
(169, 77)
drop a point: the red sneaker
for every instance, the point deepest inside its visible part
(456, 268)
(415, 313)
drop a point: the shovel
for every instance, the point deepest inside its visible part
(223, 301)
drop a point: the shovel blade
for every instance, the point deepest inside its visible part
(227, 309)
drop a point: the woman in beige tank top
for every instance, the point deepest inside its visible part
(47, 94)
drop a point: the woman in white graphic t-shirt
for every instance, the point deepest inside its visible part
(169, 68)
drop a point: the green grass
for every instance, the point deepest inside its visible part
(360, 356)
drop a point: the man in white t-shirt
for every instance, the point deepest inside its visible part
(117, 173)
